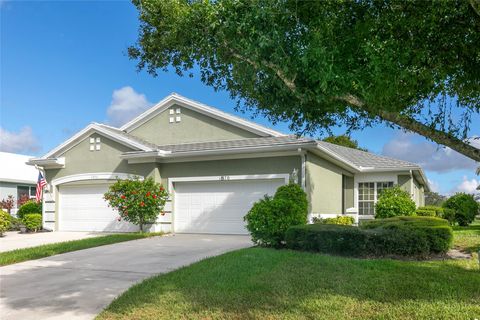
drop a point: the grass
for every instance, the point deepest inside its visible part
(467, 238)
(281, 284)
(19, 255)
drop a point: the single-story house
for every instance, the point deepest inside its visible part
(214, 165)
(17, 179)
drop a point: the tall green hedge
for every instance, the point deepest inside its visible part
(465, 207)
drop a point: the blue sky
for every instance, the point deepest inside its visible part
(64, 64)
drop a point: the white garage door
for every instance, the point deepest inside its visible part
(82, 208)
(218, 206)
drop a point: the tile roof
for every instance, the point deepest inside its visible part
(128, 136)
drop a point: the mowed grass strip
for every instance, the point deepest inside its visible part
(20, 255)
(260, 283)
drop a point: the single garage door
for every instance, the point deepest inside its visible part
(218, 206)
(82, 208)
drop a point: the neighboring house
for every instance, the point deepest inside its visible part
(17, 179)
(215, 165)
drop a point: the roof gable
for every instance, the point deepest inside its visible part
(109, 132)
(176, 99)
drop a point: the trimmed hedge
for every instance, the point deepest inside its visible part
(438, 210)
(399, 236)
(425, 212)
(343, 220)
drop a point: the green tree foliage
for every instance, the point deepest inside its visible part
(137, 201)
(394, 202)
(345, 141)
(434, 199)
(465, 207)
(320, 64)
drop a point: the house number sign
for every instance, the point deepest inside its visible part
(224, 178)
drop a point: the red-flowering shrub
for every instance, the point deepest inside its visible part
(137, 201)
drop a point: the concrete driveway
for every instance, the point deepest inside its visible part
(78, 285)
(16, 240)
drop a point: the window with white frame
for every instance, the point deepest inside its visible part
(368, 193)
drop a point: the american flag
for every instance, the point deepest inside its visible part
(41, 183)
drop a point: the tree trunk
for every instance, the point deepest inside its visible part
(141, 224)
(438, 136)
(413, 125)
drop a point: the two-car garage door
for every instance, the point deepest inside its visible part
(218, 206)
(199, 207)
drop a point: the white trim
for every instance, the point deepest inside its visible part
(177, 99)
(93, 176)
(91, 128)
(284, 176)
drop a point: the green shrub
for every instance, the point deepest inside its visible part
(399, 236)
(293, 192)
(425, 212)
(270, 217)
(343, 220)
(33, 221)
(394, 202)
(14, 224)
(4, 221)
(29, 207)
(449, 215)
(438, 210)
(465, 206)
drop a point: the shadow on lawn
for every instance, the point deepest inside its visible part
(257, 279)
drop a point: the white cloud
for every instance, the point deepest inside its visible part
(434, 185)
(23, 141)
(427, 154)
(126, 104)
(468, 186)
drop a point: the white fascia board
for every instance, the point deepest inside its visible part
(201, 108)
(337, 158)
(191, 154)
(51, 163)
(91, 128)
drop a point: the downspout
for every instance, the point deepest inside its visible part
(303, 159)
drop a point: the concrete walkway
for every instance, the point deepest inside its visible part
(16, 240)
(78, 285)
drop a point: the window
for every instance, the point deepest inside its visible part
(33, 191)
(95, 144)
(368, 193)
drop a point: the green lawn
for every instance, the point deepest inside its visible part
(19, 255)
(281, 284)
(467, 238)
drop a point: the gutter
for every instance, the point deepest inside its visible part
(162, 154)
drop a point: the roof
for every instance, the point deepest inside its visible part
(176, 99)
(14, 169)
(366, 160)
(234, 144)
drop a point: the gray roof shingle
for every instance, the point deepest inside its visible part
(232, 144)
(366, 159)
